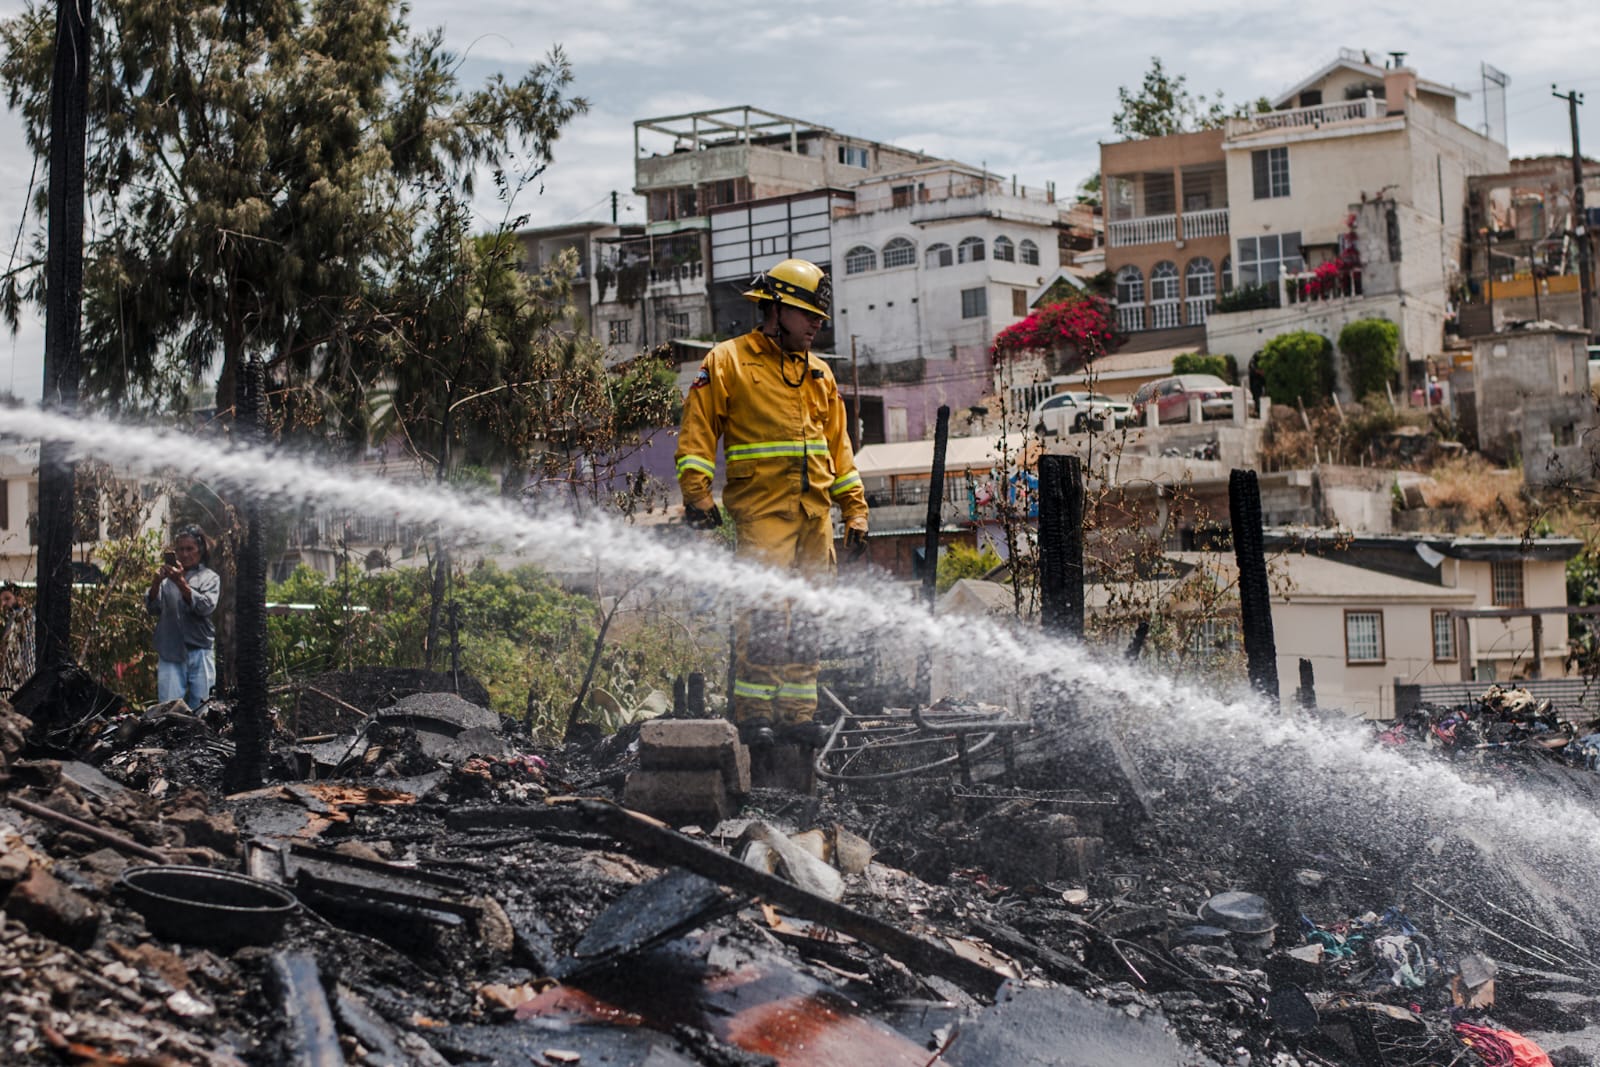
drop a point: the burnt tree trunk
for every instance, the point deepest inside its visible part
(69, 94)
(1255, 597)
(1061, 544)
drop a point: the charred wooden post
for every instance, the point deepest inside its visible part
(251, 725)
(69, 95)
(1061, 544)
(1307, 693)
(930, 543)
(1255, 597)
(312, 1037)
(697, 694)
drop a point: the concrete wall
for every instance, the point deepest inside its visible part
(1509, 369)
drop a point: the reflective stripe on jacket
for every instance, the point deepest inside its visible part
(784, 432)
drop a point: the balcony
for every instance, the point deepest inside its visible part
(1150, 230)
(1163, 229)
(1210, 223)
(1308, 118)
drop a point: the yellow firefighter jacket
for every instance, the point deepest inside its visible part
(783, 429)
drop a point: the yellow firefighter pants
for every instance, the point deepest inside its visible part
(776, 651)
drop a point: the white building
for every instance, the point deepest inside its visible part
(929, 264)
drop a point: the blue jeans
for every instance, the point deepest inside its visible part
(190, 681)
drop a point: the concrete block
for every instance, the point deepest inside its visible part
(51, 909)
(696, 745)
(674, 796)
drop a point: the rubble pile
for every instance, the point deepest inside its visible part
(455, 895)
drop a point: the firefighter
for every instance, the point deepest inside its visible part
(777, 410)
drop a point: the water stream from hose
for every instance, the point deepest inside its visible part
(1308, 772)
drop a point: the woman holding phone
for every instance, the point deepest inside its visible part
(182, 597)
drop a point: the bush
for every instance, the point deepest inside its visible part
(1369, 347)
(1221, 365)
(1248, 298)
(1297, 366)
(962, 561)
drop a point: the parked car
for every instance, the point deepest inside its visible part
(1171, 397)
(1076, 411)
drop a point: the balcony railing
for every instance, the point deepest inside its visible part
(1368, 107)
(1165, 314)
(1212, 222)
(1130, 318)
(1307, 287)
(1152, 229)
(677, 275)
(1199, 309)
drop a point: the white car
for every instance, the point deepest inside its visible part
(1075, 412)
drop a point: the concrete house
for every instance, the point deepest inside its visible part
(654, 282)
(1354, 153)
(1531, 389)
(933, 261)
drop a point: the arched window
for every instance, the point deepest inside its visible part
(1165, 311)
(1200, 278)
(970, 250)
(1227, 274)
(1130, 298)
(1200, 289)
(940, 255)
(899, 253)
(860, 259)
(1030, 252)
(1004, 250)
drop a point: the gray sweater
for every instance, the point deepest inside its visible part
(181, 626)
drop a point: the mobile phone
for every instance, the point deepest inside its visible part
(170, 558)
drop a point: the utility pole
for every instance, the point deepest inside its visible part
(613, 207)
(1585, 282)
(855, 398)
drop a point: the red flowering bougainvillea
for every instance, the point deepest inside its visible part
(1081, 329)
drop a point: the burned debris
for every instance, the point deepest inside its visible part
(427, 887)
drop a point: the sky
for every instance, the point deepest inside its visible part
(1024, 87)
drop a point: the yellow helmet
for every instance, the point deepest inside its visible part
(795, 282)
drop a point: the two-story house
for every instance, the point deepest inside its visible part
(656, 283)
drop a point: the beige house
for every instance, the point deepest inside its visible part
(19, 510)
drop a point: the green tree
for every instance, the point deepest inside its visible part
(1369, 347)
(1297, 368)
(1163, 105)
(253, 168)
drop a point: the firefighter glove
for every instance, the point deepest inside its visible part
(706, 518)
(855, 544)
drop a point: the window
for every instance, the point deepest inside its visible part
(1506, 580)
(899, 253)
(852, 156)
(1130, 298)
(1363, 637)
(940, 255)
(1262, 259)
(1212, 635)
(1029, 252)
(1269, 169)
(1164, 293)
(618, 330)
(1200, 278)
(1019, 302)
(1227, 274)
(860, 259)
(970, 250)
(974, 303)
(902, 195)
(1130, 285)
(1004, 250)
(677, 323)
(1444, 637)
